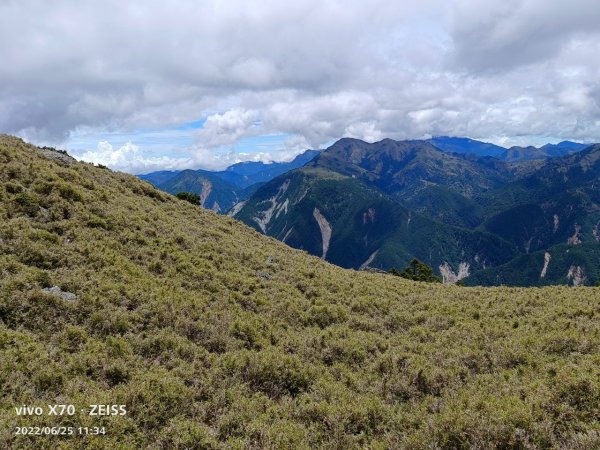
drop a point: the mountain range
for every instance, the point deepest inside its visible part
(483, 219)
(220, 190)
(475, 211)
(515, 153)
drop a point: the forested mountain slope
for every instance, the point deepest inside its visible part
(382, 204)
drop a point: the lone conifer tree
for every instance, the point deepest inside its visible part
(194, 199)
(418, 271)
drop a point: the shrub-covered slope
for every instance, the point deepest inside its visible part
(215, 336)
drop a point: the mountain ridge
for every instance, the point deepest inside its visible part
(526, 204)
(464, 145)
(221, 190)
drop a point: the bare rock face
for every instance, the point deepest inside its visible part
(369, 216)
(58, 292)
(448, 275)
(264, 217)
(575, 239)
(369, 260)
(206, 190)
(236, 208)
(283, 208)
(56, 155)
(326, 230)
(528, 245)
(287, 234)
(547, 259)
(577, 275)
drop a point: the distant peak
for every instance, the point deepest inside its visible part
(348, 140)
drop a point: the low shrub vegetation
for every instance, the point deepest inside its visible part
(169, 317)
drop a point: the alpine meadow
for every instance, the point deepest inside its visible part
(216, 336)
(302, 225)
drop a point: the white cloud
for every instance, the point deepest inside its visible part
(313, 70)
(366, 131)
(129, 158)
(227, 128)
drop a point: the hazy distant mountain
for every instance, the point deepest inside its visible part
(466, 145)
(160, 177)
(545, 152)
(247, 173)
(471, 146)
(220, 190)
(564, 146)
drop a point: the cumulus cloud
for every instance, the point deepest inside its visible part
(129, 158)
(228, 128)
(312, 70)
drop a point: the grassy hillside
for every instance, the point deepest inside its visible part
(215, 336)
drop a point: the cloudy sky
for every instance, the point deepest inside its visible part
(149, 85)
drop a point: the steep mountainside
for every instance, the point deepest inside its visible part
(554, 177)
(555, 211)
(221, 190)
(345, 222)
(575, 265)
(216, 337)
(419, 175)
(214, 193)
(532, 205)
(396, 167)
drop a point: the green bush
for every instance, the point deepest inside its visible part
(189, 197)
(417, 271)
(271, 372)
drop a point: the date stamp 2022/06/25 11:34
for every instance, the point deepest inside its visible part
(37, 413)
